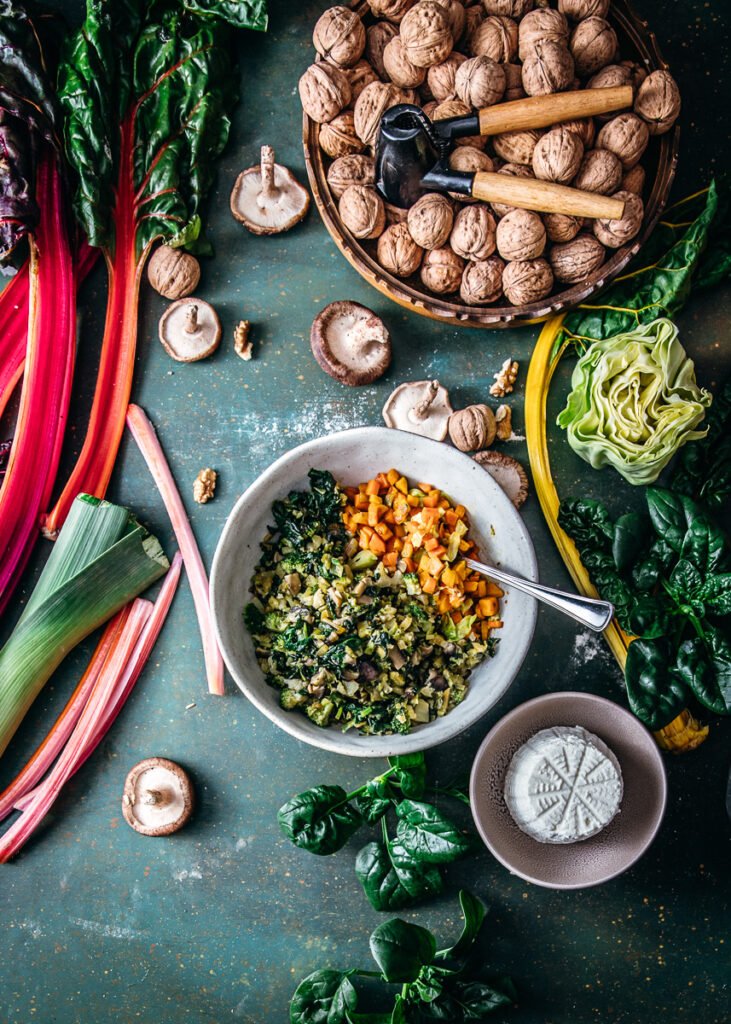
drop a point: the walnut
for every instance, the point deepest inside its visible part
(638, 73)
(577, 10)
(480, 82)
(456, 108)
(600, 171)
(338, 137)
(513, 82)
(350, 170)
(542, 26)
(584, 128)
(454, 11)
(561, 227)
(526, 281)
(473, 428)
(378, 36)
(658, 102)
(370, 107)
(398, 66)
(204, 486)
(548, 68)
(473, 234)
(468, 159)
(360, 75)
(558, 155)
(610, 76)
(339, 36)
(574, 261)
(398, 252)
(396, 214)
(504, 423)
(482, 281)
(593, 44)
(506, 376)
(441, 270)
(173, 272)
(243, 346)
(393, 10)
(520, 235)
(425, 34)
(634, 180)
(508, 8)
(324, 91)
(517, 147)
(473, 16)
(496, 38)
(362, 211)
(515, 171)
(442, 77)
(429, 109)
(430, 220)
(627, 137)
(616, 233)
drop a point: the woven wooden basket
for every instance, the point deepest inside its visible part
(638, 43)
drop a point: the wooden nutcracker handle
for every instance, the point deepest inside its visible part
(544, 196)
(545, 111)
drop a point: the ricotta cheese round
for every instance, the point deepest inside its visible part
(563, 785)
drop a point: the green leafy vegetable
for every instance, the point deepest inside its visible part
(401, 949)
(704, 468)
(321, 820)
(656, 694)
(426, 834)
(323, 997)
(473, 915)
(634, 402)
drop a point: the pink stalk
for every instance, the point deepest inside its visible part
(144, 434)
(110, 694)
(62, 728)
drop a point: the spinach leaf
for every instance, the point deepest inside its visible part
(716, 594)
(240, 13)
(704, 665)
(302, 514)
(401, 949)
(686, 585)
(473, 914)
(655, 691)
(375, 800)
(323, 997)
(480, 999)
(410, 774)
(392, 878)
(320, 820)
(427, 835)
(668, 516)
(704, 467)
(629, 539)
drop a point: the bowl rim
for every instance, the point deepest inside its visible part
(290, 723)
(412, 296)
(581, 697)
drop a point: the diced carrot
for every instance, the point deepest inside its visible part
(425, 487)
(413, 500)
(373, 515)
(429, 585)
(443, 604)
(431, 500)
(373, 487)
(363, 539)
(376, 545)
(496, 623)
(464, 546)
(450, 518)
(402, 484)
(383, 531)
(410, 566)
(485, 630)
(430, 543)
(456, 617)
(482, 589)
(435, 566)
(392, 476)
(438, 552)
(424, 563)
(460, 511)
(470, 586)
(397, 529)
(396, 543)
(390, 559)
(382, 480)
(408, 549)
(493, 590)
(486, 607)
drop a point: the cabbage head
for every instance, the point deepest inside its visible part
(634, 402)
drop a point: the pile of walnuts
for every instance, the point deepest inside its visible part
(449, 59)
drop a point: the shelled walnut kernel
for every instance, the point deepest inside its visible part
(204, 486)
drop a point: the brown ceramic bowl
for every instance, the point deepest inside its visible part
(636, 42)
(621, 843)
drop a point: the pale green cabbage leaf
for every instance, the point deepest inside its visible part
(634, 402)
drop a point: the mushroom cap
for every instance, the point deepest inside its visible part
(350, 343)
(400, 410)
(189, 347)
(172, 804)
(285, 208)
(507, 472)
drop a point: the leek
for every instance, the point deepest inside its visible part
(103, 558)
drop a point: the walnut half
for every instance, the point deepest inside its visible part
(505, 378)
(204, 486)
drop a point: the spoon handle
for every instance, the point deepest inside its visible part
(588, 611)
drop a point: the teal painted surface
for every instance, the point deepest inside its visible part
(219, 922)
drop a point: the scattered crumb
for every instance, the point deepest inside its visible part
(191, 705)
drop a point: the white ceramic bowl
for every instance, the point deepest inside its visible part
(353, 456)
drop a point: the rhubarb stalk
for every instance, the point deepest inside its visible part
(144, 434)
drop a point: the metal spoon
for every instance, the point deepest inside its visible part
(588, 611)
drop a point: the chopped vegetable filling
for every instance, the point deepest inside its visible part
(364, 612)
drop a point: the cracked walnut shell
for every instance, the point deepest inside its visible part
(557, 156)
(521, 235)
(362, 211)
(430, 220)
(324, 90)
(204, 486)
(574, 261)
(441, 270)
(505, 378)
(398, 252)
(426, 34)
(616, 233)
(339, 36)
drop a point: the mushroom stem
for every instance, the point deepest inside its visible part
(420, 411)
(155, 797)
(268, 189)
(191, 319)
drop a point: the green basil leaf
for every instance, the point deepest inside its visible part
(319, 820)
(324, 997)
(410, 774)
(427, 835)
(629, 540)
(704, 665)
(401, 949)
(473, 914)
(240, 13)
(392, 878)
(656, 694)
(717, 594)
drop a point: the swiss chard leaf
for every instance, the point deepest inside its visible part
(656, 693)
(323, 997)
(320, 820)
(704, 665)
(427, 835)
(401, 949)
